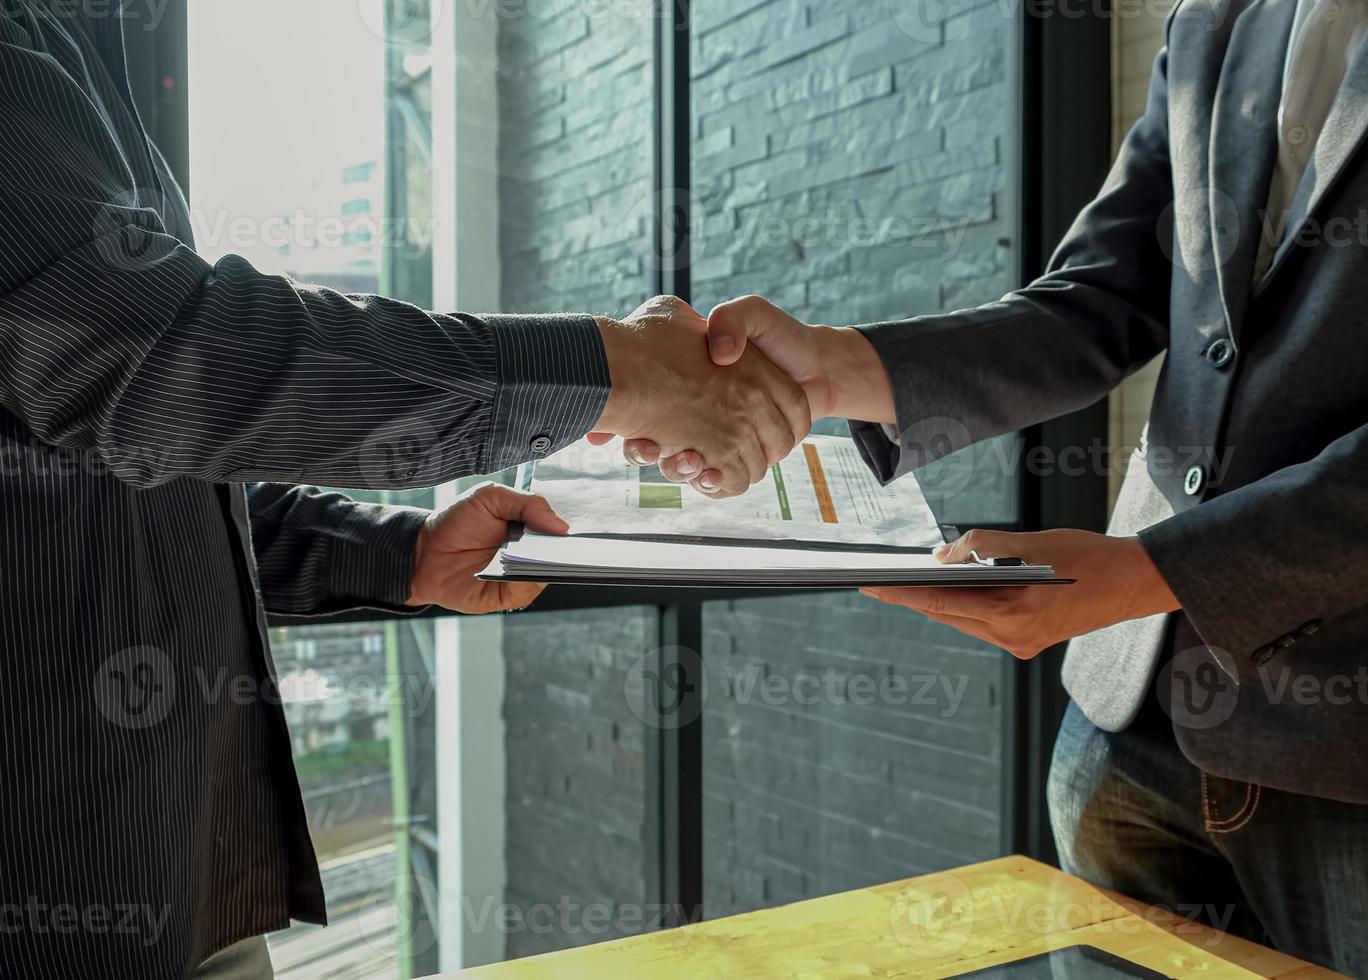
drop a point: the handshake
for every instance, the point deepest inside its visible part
(715, 401)
(718, 401)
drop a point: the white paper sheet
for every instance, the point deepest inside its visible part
(645, 561)
(822, 492)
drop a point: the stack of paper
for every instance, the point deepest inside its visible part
(819, 519)
(608, 561)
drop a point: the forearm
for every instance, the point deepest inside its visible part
(319, 552)
(116, 337)
(227, 374)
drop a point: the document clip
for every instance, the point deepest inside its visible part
(997, 562)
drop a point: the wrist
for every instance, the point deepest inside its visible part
(619, 348)
(859, 383)
(420, 545)
(1150, 594)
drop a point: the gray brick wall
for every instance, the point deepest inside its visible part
(845, 743)
(575, 793)
(803, 111)
(574, 159)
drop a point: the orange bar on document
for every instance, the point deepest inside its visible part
(819, 484)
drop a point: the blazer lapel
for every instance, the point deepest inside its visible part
(1339, 141)
(1243, 146)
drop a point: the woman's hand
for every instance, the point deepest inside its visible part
(1116, 581)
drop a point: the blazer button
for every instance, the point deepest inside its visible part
(541, 445)
(1309, 629)
(1263, 655)
(1220, 353)
(1194, 482)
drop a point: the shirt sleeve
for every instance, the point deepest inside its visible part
(320, 552)
(116, 336)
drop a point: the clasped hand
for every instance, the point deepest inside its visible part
(722, 425)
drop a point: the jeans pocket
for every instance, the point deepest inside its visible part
(1228, 804)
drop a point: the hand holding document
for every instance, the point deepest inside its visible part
(818, 519)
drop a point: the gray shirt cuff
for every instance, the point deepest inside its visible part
(553, 385)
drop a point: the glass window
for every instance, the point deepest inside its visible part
(854, 162)
(474, 787)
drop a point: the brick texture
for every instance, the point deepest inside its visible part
(852, 162)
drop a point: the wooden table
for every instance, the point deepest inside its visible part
(938, 925)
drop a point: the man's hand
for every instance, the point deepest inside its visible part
(740, 418)
(460, 541)
(1116, 581)
(837, 368)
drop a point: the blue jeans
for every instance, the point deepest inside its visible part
(1132, 814)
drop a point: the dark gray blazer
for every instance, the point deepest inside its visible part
(1252, 496)
(145, 772)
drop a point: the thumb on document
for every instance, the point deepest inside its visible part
(989, 544)
(535, 512)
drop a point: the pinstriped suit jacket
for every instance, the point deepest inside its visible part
(144, 399)
(1251, 496)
